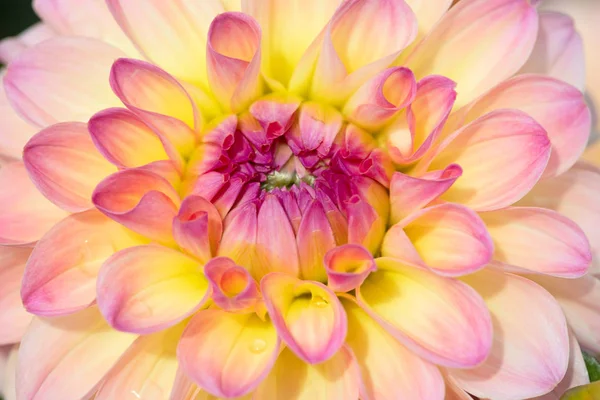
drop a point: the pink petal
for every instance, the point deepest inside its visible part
(318, 127)
(440, 319)
(411, 135)
(25, 214)
(146, 370)
(14, 320)
(409, 194)
(140, 200)
(12, 47)
(365, 226)
(61, 273)
(65, 166)
(171, 35)
(558, 51)
(158, 99)
(279, 255)
(61, 79)
(530, 352)
(501, 33)
(502, 154)
(16, 131)
(389, 370)
(67, 357)
(344, 63)
(314, 238)
(145, 289)
(233, 59)
(538, 240)
(577, 373)
(233, 288)
(239, 236)
(380, 98)
(88, 18)
(275, 114)
(449, 239)
(8, 366)
(580, 301)
(228, 354)
(308, 316)
(347, 267)
(197, 228)
(124, 139)
(559, 108)
(576, 195)
(335, 379)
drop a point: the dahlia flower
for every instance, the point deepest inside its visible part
(285, 199)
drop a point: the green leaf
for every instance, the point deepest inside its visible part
(585, 392)
(593, 367)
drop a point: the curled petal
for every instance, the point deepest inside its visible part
(318, 127)
(365, 226)
(409, 194)
(279, 255)
(233, 288)
(314, 238)
(233, 59)
(440, 319)
(335, 379)
(381, 97)
(502, 154)
(347, 267)
(344, 63)
(501, 32)
(558, 51)
(124, 139)
(197, 228)
(275, 114)
(145, 289)
(65, 166)
(308, 316)
(228, 354)
(61, 79)
(448, 238)
(25, 214)
(67, 357)
(158, 99)
(14, 320)
(389, 370)
(538, 240)
(140, 200)
(410, 136)
(558, 107)
(61, 273)
(530, 352)
(146, 370)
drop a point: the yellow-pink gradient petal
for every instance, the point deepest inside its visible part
(538, 240)
(67, 357)
(62, 79)
(530, 352)
(440, 319)
(148, 288)
(478, 44)
(308, 316)
(228, 354)
(61, 272)
(335, 379)
(389, 370)
(65, 165)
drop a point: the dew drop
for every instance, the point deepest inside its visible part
(258, 346)
(319, 302)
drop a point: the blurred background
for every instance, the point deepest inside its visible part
(15, 16)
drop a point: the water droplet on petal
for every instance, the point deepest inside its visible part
(258, 346)
(319, 302)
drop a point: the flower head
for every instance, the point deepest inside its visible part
(295, 200)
